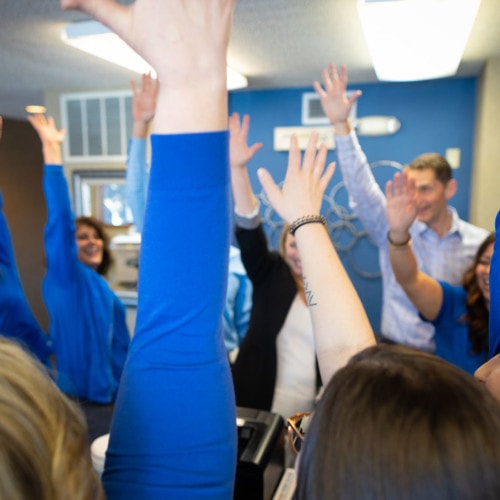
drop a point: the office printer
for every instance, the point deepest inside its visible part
(261, 437)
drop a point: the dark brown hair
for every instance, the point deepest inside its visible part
(435, 162)
(477, 313)
(400, 423)
(107, 257)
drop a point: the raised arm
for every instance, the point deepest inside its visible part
(6, 249)
(50, 137)
(366, 198)
(174, 426)
(240, 154)
(425, 292)
(334, 101)
(494, 339)
(143, 105)
(60, 244)
(143, 110)
(158, 31)
(341, 327)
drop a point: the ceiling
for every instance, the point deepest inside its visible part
(275, 43)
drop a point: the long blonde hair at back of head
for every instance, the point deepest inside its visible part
(44, 453)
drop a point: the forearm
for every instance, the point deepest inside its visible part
(140, 129)
(177, 106)
(6, 248)
(52, 154)
(341, 327)
(403, 261)
(245, 200)
(342, 128)
(137, 180)
(425, 293)
(59, 241)
(366, 198)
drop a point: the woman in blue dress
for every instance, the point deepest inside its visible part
(87, 319)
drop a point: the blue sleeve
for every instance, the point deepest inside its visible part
(16, 317)
(243, 306)
(6, 250)
(238, 302)
(60, 244)
(174, 428)
(495, 294)
(137, 180)
(121, 338)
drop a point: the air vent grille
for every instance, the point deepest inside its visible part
(98, 126)
(312, 112)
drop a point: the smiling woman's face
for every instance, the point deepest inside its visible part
(90, 246)
(489, 375)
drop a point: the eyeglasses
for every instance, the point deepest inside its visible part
(296, 430)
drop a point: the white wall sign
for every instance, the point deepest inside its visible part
(282, 136)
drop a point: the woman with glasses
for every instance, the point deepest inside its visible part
(458, 313)
(392, 422)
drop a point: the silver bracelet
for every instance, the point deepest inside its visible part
(306, 219)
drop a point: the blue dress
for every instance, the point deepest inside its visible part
(174, 428)
(16, 318)
(452, 332)
(87, 320)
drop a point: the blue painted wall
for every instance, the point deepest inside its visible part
(434, 116)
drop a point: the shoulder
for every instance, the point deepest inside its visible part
(472, 234)
(453, 294)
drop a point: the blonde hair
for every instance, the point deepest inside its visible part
(283, 236)
(44, 452)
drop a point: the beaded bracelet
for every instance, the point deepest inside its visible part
(306, 219)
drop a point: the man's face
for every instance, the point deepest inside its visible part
(431, 196)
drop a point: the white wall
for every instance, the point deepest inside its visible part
(485, 192)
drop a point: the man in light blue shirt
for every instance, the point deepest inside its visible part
(444, 245)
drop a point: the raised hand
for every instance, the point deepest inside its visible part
(401, 208)
(143, 104)
(186, 43)
(154, 29)
(50, 136)
(239, 151)
(144, 98)
(304, 184)
(333, 97)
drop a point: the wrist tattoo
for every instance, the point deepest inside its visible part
(309, 294)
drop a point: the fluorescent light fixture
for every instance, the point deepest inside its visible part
(413, 40)
(377, 125)
(94, 38)
(35, 109)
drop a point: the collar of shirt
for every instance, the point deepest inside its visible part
(423, 229)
